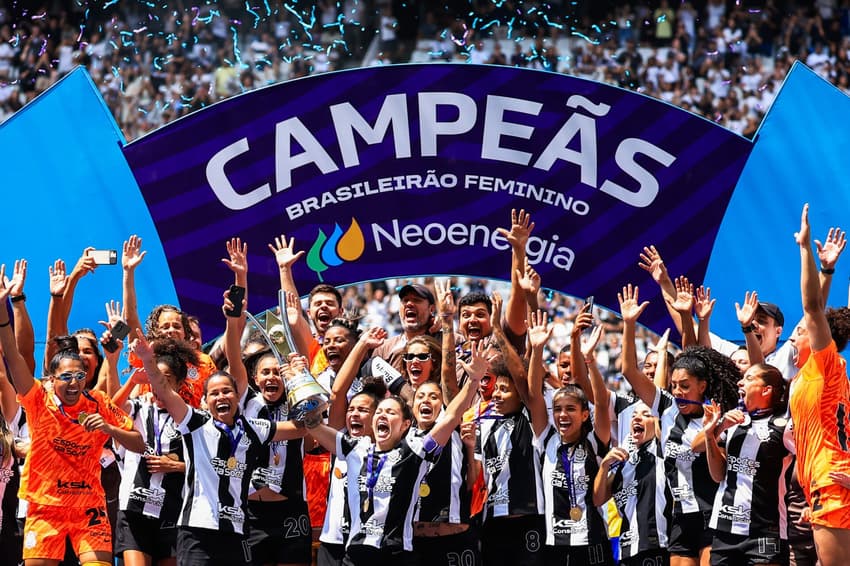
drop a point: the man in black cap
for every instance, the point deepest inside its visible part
(417, 317)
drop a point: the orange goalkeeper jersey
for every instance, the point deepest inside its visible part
(820, 402)
(63, 465)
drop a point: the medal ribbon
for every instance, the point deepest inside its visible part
(759, 413)
(567, 463)
(487, 413)
(157, 431)
(234, 440)
(66, 415)
(372, 475)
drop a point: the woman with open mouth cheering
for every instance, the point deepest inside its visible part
(385, 474)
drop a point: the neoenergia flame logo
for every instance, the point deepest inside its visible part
(335, 250)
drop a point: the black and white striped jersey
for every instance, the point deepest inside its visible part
(747, 500)
(621, 407)
(217, 473)
(281, 467)
(337, 524)
(383, 488)
(511, 472)
(155, 495)
(643, 500)
(687, 471)
(568, 471)
(443, 494)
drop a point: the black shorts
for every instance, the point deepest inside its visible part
(689, 533)
(145, 534)
(365, 555)
(657, 557)
(742, 550)
(280, 532)
(462, 549)
(513, 541)
(599, 554)
(206, 547)
(330, 554)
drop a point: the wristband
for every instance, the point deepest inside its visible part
(57, 295)
(747, 329)
(828, 271)
(18, 299)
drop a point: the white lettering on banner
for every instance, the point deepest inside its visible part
(394, 117)
(412, 235)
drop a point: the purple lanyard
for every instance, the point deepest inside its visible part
(372, 475)
(567, 463)
(487, 413)
(157, 431)
(234, 440)
(82, 416)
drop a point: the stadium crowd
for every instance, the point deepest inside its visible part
(203, 465)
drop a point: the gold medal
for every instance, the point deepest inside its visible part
(276, 459)
(424, 490)
(172, 456)
(81, 418)
(231, 462)
(338, 473)
(575, 513)
(366, 505)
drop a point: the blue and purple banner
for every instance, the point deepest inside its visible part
(409, 170)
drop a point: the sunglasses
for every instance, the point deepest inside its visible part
(420, 357)
(71, 376)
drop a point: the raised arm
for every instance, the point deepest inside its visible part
(174, 404)
(746, 315)
(683, 306)
(58, 284)
(509, 354)
(630, 311)
(529, 281)
(813, 305)
(538, 334)
(604, 480)
(233, 346)
(651, 262)
(285, 257)
(703, 307)
(131, 256)
(83, 267)
(588, 352)
(517, 236)
(578, 367)
(475, 369)
(661, 378)
(714, 453)
(24, 334)
(445, 314)
(601, 416)
(8, 397)
(22, 377)
(367, 342)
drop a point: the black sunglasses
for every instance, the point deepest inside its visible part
(420, 357)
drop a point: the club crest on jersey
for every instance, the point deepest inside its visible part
(762, 431)
(580, 454)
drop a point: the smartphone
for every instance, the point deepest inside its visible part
(588, 307)
(236, 294)
(119, 331)
(104, 257)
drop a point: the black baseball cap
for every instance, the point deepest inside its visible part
(772, 311)
(420, 290)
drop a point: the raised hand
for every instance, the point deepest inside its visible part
(58, 278)
(521, 227)
(684, 302)
(528, 279)
(238, 257)
(539, 330)
(747, 313)
(132, 254)
(478, 364)
(660, 347)
(650, 261)
(588, 347)
(19, 277)
(85, 264)
(630, 309)
(141, 347)
(704, 304)
(113, 314)
(374, 337)
(711, 418)
(804, 235)
(445, 300)
(496, 315)
(283, 252)
(4, 288)
(829, 252)
(583, 321)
